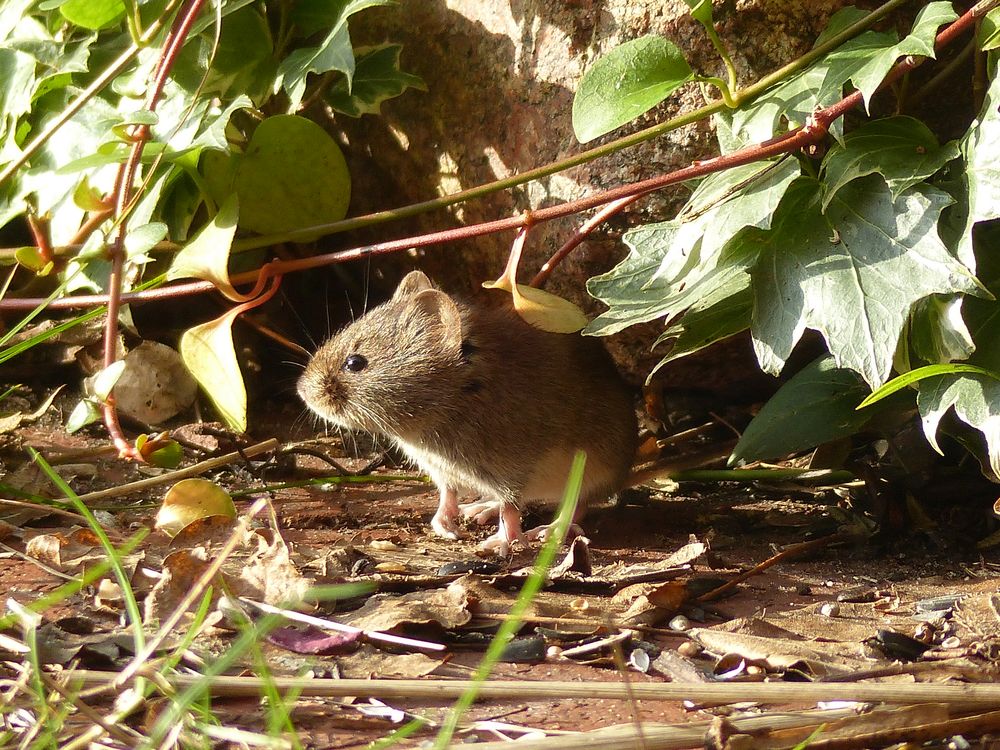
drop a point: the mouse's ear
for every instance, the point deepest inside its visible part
(413, 283)
(443, 312)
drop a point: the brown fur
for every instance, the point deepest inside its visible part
(477, 397)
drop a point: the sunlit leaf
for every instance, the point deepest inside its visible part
(93, 14)
(206, 256)
(84, 413)
(293, 175)
(377, 77)
(900, 382)
(626, 82)
(903, 150)
(102, 383)
(209, 354)
(852, 273)
(190, 500)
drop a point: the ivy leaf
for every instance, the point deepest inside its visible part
(903, 150)
(334, 53)
(817, 405)
(293, 175)
(206, 256)
(242, 61)
(989, 31)
(862, 61)
(208, 352)
(377, 77)
(626, 82)
(865, 60)
(853, 273)
(974, 398)
(980, 193)
(719, 316)
(674, 264)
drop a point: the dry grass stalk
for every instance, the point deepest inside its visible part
(175, 476)
(983, 695)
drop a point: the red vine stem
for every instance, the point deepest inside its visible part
(807, 135)
(123, 193)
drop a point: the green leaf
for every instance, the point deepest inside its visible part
(900, 382)
(975, 398)
(242, 63)
(377, 77)
(631, 79)
(206, 256)
(701, 11)
(853, 273)
(141, 239)
(815, 406)
(334, 53)
(292, 176)
(719, 316)
(93, 14)
(862, 61)
(980, 198)
(103, 382)
(937, 331)
(208, 352)
(674, 264)
(989, 30)
(903, 150)
(84, 413)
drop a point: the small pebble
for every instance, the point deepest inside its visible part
(830, 609)
(383, 544)
(679, 623)
(952, 641)
(690, 649)
(958, 742)
(553, 652)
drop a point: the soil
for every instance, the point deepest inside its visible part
(869, 585)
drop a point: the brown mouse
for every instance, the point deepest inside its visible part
(479, 399)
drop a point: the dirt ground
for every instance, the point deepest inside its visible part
(832, 613)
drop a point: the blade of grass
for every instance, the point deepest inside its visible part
(534, 584)
(928, 371)
(131, 604)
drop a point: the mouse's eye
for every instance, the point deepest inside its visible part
(355, 363)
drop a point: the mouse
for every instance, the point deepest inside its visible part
(480, 400)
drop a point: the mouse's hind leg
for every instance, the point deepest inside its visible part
(445, 520)
(481, 511)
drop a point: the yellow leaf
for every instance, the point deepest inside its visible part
(206, 256)
(208, 352)
(547, 311)
(190, 500)
(537, 307)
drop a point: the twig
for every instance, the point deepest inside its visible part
(51, 509)
(138, 662)
(323, 624)
(963, 695)
(971, 725)
(173, 476)
(792, 551)
(789, 142)
(123, 194)
(124, 733)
